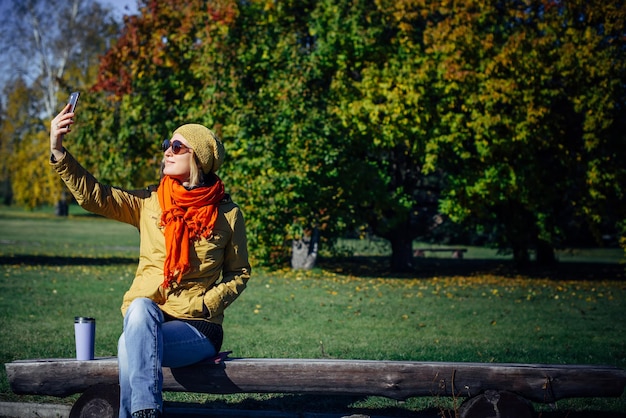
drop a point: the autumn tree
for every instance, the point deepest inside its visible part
(530, 99)
(245, 71)
(382, 95)
(146, 87)
(268, 90)
(18, 120)
(389, 114)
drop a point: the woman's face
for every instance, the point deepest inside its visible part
(178, 165)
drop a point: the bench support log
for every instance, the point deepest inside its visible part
(496, 404)
(99, 401)
(393, 379)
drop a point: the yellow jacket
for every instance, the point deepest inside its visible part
(219, 266)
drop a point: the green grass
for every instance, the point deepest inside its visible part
(478, 309)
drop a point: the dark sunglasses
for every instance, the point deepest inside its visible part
(176, 146)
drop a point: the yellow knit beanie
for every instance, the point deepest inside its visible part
(205, 144)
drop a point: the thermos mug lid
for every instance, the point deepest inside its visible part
(83, 319)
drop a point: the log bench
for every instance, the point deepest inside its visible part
(485, 385)
(456, 252)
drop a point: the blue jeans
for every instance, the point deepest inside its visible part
(147, 344)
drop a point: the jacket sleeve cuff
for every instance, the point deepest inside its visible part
(53, 160)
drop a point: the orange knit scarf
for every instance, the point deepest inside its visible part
(187, 216)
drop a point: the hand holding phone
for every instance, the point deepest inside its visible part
(65, 123)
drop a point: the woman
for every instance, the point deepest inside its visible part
(193, 258)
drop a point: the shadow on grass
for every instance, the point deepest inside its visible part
(340, 406)
(47, 260)
(372, 266)
(581, 414)
(301, 404)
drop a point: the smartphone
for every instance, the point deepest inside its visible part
(73, 100)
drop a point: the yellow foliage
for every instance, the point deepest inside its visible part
(33, 181)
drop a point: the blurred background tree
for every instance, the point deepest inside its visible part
(49, 49)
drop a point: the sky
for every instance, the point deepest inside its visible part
(121, 7)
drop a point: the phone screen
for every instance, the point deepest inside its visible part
(73, 100)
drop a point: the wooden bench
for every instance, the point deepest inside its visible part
(510, 386)
(456, 252)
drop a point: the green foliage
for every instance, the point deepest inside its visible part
(391, 117)
(341, 114)
(147, 87)
(262, 94)
(383, 99)
(521, 140)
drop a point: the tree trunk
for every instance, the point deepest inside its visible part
(521, 256)
(545, 253)
(6, 192)
(62, 207)
(401, 254)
